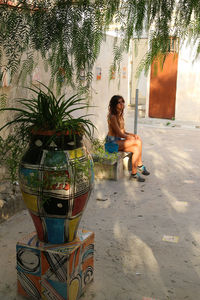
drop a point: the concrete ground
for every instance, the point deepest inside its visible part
(147, 235)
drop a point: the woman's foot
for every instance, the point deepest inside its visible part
(142, 169)
(137, 177)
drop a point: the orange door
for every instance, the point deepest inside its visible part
(162, 97)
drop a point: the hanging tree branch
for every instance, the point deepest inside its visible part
(68, 34)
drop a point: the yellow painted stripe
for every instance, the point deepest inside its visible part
(73, 289)
(73, 224)
(76, 153)
(30, 201)
(43, 296)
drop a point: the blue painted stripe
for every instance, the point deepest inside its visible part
(30, 241)
(55, 230)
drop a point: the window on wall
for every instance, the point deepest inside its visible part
(4, 78)
(173, 44)
(1, 77)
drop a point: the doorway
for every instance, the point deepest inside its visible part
(163, 78)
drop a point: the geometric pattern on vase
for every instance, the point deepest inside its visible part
(56, 230)
(48, 271)
(56, 190)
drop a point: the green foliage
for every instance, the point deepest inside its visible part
(46, 112)
(68, 34)
(99, 154)
(11, 151)
(97, 145)
(68, 37)
(82, 168)
(3, 100)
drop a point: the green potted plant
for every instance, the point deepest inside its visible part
(56, 171)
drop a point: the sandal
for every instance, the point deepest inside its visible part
(143, 170)
(137, 177)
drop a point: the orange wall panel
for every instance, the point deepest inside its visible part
(163, 87)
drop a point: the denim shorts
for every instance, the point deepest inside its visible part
(111, 143)
(112, 139)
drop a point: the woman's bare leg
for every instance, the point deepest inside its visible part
(135, 148)
(139, 144)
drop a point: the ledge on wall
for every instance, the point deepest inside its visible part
(141, 109)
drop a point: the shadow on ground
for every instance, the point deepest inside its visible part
(130, 219)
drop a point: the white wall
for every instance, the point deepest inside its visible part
(138, 53)
(188, 87)
(102, 90)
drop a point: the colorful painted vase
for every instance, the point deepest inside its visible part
(56, 179)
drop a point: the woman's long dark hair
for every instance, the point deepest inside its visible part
(112, 108)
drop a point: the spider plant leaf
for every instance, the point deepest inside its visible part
(48, 89)
(14, 109)
(72, 101)
(45, 111)
(29, 105)
(9, 123)
(76, 104)
(75, 109)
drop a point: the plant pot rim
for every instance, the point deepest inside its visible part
(52, 132)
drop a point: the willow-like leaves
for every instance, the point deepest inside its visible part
(68, 34)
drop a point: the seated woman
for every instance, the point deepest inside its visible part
(127, 142)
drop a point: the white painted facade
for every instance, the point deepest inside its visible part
(188, 87)
(138, 52)
(125, 83)
(103, 89)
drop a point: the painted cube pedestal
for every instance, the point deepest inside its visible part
(56, 272)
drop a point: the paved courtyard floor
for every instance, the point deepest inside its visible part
(147, 235)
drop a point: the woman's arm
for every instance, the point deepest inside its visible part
(133, 135)
(115, 127)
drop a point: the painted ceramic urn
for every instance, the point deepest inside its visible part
(56, 178)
